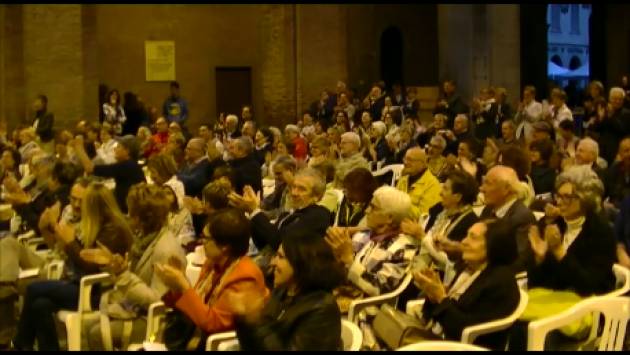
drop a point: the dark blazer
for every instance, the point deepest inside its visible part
(247, 172)
(312, 218)
(31, 211)
(586, 268)
(493, 295)
(543, 179)
(455, 106)
(309, 321)
(45, 126)
(460, 230)
(617, 183)
(195, 177)
(519, 218)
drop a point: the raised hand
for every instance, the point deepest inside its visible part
(539, 245)
(429, 282)
(412, 228)
(339, 240)
(172, 277)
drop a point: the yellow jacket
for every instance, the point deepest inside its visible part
(424, 193)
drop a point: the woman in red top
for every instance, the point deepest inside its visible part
(227, 270)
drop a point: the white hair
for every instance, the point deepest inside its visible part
(394, 202)
(380, 127)
(292, 128)
(439, 140)
(591, 145)
(353, 137)
(231, 118)
(617, 90)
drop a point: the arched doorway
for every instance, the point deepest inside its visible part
(391, 56)
(574, 63)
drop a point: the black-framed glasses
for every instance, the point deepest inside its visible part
(565, 197)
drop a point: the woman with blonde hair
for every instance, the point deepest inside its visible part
(102, 223)
(136, 285)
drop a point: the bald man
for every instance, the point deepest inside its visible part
(197, 171)
(500, 188)
(423, 187)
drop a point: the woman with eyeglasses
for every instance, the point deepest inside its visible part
(205, 308)
(575, 248)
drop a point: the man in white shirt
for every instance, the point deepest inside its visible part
(529, 112)
(559, 111)
(500, 188)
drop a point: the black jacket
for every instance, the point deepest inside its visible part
(308, 321)
(519, 218)
(460, 230)
(312, 218)
(586, 268)
(195, 177)
(247, 172)
(493, 295)
(31, 211)
(543, 179)
(617, 183)
(45, 126)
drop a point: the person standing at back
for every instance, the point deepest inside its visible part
(175, 108)
(43, 123)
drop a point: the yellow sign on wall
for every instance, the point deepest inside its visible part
(160, 60)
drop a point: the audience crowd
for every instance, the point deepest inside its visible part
(288, 226)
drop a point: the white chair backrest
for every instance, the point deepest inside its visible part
(215, 340)
(54, 270)
(622, 281)
(441, 346)
(351, 336)
(471, 333)
(396, 170)
(85, 290)
(339, 194)
(616, 312)
(391, 297)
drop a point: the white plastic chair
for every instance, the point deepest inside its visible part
(155, 320)
(357, 306)
(616, 312)
(470, 333)
(351, 336)
(441, 346)
(74, 319)
(396, 170)
(221, 341)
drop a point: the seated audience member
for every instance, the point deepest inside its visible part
(301, 313)
(144, 139)
(587, 153)
(500, 191)
(57, 189)
(136, 284)
(573, 253)
(180, 220)
(350, 157)
(320, 148)
(376, 260)
(15, 256)
(277, 202)
(460, 132)
(543, 176)
(162, 170)
(358, 187)
(106, 152)
(418, 181)
(485, 290)
(437, 127)
(125, 172)
(264, 145)
(195, 173)
(159, 139)
(447, 224)
(508, 134)
(176, 147)
(377, 149)
(101, 222)
(466, 159)
(246, 168)
(300, 148)
(226, 272)
(567, 141)
(617, 177)
(28, 144)
(10, 162)
(231, 128)
(436, 160)
(516, 158)
(307, 189)
(406, 141)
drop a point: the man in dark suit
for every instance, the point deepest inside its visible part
(307, 189)
(500, 186)
(246, 166)
(44, 120)
(450, 103)
(196, 174)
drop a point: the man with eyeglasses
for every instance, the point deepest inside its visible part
(419, 183)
